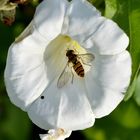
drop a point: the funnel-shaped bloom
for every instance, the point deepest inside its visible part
(52, 87)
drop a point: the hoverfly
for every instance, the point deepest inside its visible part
(77, 61)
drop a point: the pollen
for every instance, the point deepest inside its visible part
(67, 38)
(76, 46)
(72, 44)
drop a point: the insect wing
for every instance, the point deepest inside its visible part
(64, 77)
(87, 57)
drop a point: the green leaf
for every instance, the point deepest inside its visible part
(99, 4)
(111, 8)
(127, 14)
(117, 10)
(96, 2)
(132, 87)
(137, 91)
(134, 20)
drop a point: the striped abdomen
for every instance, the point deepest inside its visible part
(79, 69)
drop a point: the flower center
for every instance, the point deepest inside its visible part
(59, 46)
(71, 44)
(64, 58)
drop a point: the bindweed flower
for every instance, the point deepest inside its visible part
(68, 67)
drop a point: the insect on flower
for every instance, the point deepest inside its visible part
(76, 72)
(77, 61)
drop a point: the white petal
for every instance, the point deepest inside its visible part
(107, 82)
(25, 73)
(83, 20)
(66, 108)
(55, 134)
(109, 39)
(49, 18)
(55, 57)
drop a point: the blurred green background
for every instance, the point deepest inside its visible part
(122, 124)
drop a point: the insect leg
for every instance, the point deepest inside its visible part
(75, 50)
(72, 76)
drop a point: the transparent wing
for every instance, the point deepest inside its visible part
(64, 77)
(86, 58)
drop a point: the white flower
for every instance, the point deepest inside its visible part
(38, 57)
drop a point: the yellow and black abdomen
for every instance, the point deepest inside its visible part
(79, 68)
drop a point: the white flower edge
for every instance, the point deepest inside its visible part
(27, 31)
(109, 80)
(71, 16)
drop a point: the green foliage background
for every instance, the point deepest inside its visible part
(123, 123)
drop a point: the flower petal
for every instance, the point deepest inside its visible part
(109, 79)
(78, 13)
(66, 108)
(25, 73)
(109, 39)
(49, 18)
(58, 134)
